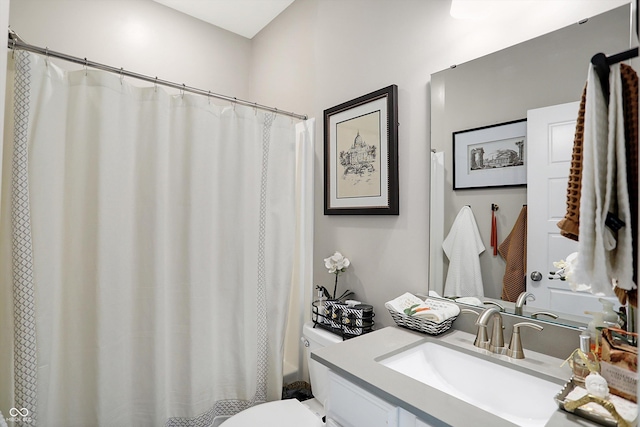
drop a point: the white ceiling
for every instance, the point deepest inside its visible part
(244, 17)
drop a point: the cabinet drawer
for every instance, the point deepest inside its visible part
(352, 406)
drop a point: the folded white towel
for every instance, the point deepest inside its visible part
(405, 300)
(438, 311)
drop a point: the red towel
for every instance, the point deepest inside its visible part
(494, 233)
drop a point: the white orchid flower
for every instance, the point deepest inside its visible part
(572, 266)
(560, 264)
(337, 263)
(566, 272)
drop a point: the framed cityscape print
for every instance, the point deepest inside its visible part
(490, 156)
(361, 155)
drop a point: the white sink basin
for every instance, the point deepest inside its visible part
(523, 399)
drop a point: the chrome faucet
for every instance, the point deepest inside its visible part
(522, 298)
(496, 345)
(482, 335)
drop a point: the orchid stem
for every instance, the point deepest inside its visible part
(335, 286)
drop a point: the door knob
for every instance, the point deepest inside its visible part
(536, 276)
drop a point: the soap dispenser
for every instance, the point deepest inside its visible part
(608, 314)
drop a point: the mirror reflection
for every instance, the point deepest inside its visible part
(544, 77)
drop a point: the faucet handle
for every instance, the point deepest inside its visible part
(467, 311)
(515, 347)
(482, 339)
(543, 313)
(500, 306)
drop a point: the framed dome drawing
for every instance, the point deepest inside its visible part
(361, 155)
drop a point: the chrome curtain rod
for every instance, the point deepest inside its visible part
(16, 43)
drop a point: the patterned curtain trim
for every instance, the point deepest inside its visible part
(26, 362)
(227, 408)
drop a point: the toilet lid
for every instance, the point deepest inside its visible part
(281, 413)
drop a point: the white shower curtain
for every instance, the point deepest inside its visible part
(152, 248)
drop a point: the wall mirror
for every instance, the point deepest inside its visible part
(498, 88)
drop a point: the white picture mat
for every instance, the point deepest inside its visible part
(363, 202)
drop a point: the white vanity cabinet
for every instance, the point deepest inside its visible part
(349, 405)
(407, 419)
(363, 391)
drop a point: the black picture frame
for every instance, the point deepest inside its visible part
(490, 156)
(361, 155)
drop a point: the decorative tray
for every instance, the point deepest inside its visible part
(588, 411)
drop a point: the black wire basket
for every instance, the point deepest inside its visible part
(341, 319)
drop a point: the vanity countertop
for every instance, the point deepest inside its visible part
(357, 361)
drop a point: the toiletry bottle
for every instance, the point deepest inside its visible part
(609, 316)
(595, 330)
(583, 360)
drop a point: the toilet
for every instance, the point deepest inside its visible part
(291, 412)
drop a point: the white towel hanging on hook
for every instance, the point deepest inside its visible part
(463, 246)
(603, 255)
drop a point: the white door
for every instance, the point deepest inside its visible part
(550, 134)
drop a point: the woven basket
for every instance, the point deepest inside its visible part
(421, 325)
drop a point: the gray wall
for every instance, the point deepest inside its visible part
(141, 36)
(355, 47)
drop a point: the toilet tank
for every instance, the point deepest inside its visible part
(313, 339)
